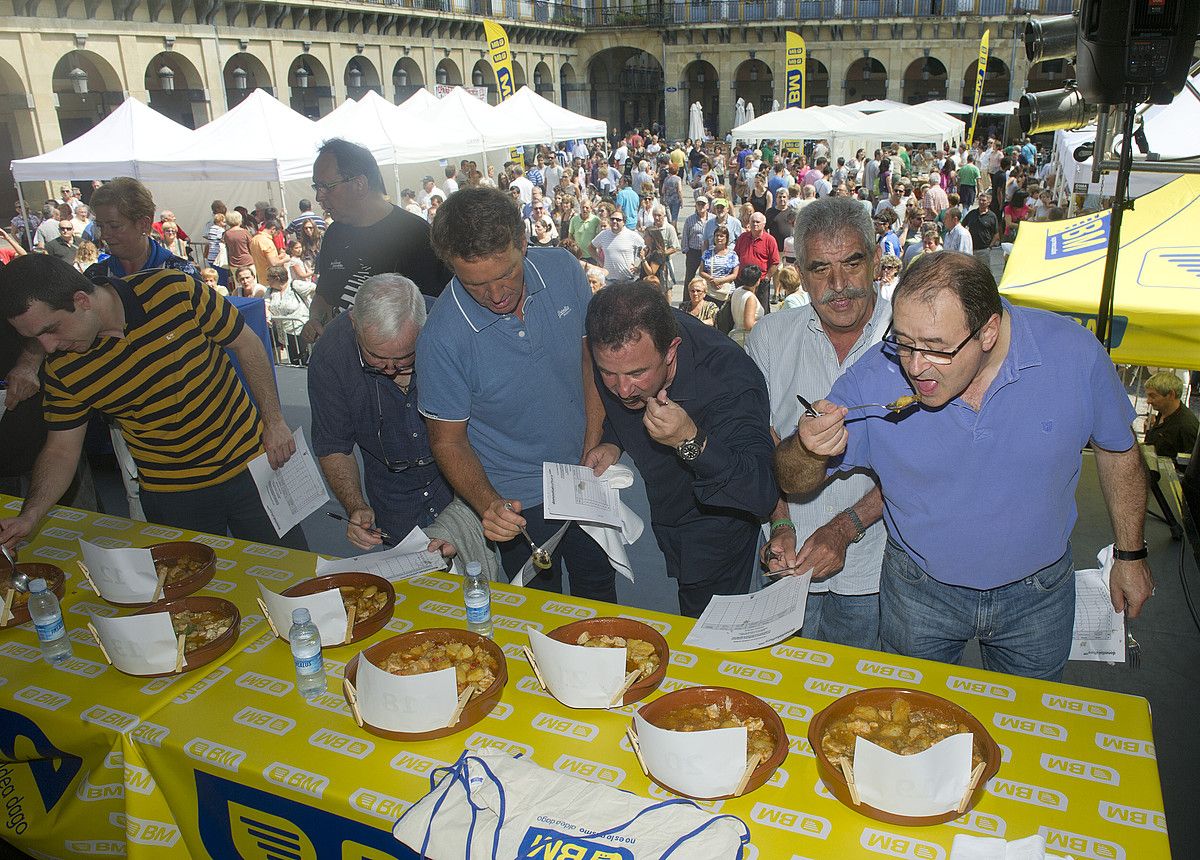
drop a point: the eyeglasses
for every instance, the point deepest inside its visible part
(323, 187)
(905, 351)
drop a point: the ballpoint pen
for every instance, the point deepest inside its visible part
(808, 408)
(387, 539)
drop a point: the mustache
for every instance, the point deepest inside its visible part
(848, 293)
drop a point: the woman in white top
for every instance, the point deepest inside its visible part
(287, 309)
(747, 310)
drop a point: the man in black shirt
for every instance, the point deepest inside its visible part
(983, 225)
(368, 236)
(1173, 427)
(66, 244)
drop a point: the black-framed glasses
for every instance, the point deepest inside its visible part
(325, 187)
(905, 351)
(393, 466)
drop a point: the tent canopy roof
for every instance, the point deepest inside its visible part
(553, 122)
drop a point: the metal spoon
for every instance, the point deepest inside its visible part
(19, 579)
(541, 558)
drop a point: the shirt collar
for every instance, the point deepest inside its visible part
(135, 312)
(683, 386)
(477, 316)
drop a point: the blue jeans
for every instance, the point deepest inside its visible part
(847, 619)
(591, 573)
(1023, 628)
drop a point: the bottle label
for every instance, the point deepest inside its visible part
(479, 614)
(310, 665)
(51, 630)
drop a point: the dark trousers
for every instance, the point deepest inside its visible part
(694, 258)
(591, 574)
(966, 196)
(232, 507)
(711, 555)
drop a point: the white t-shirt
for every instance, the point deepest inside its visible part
(622, 253)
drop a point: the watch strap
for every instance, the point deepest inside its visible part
(859, 528)
(1131, 554)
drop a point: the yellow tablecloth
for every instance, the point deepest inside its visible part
(229, 760)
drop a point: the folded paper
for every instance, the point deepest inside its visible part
(698, 764)
(405, 703)
(326, 608)
(579, 677)
(930, 782)
(124, 575)
(139, 644)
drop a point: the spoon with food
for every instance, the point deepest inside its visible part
(541, 559)
(896, 406)
(18, 579)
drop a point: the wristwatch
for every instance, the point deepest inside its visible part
(689, 449)
(859, 528)
(1131, 554)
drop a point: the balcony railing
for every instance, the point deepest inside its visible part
(672, 13)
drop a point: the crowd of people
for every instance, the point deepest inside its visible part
(474, 331)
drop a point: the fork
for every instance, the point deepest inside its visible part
(1133, 648)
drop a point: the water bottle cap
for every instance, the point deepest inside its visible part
(474, 568)
(37, 586)
(301, 616)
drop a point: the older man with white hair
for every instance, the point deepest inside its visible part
(363, 393)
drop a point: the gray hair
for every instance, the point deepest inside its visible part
(658, 209)
(828, 216)
(386, 303)
(1165, 382)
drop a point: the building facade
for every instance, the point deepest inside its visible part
(65, 64)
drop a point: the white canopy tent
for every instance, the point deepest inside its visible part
(552, 121)
(947, 106)
(1171, 129)
(116, 146)
(875, 105)
(421, 100)
(998, 109)
(912, 124)
(810, 123)
(460, 125)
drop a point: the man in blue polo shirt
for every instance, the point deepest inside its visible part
(505, 381)
(979, 476)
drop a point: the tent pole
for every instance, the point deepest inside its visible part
(24, 214)
(396, 181)
(1120, 204)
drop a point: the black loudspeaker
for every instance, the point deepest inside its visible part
(1135, 50)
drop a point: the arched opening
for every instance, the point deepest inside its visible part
(865, 79)
(447, 74)
(570, 90)
(626, 89)
(701, 84)
(17, 134)
(816, 83)
(88, 90)
(755, 83)
(245, 73)
(924, 80)
(1048, 75)
(483, 77)
(311, 92)
(175, 89)
(995, 82)
(518, 75)
(406, 78)
(361, 78)
(543, 82)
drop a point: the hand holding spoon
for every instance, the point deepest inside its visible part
(896, 406)
(19, 579)
(541, 558)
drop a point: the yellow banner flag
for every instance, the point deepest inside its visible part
(980, 74)
(796, 66)
(497, 40)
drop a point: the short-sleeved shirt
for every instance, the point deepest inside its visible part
(762, 252)
(796, 356)
(397, 243)
(168, 384)
(983, 499)
(518, 384)
(351, 406)
(160, 258)
(622, 253)
(983, 228)
(1175, 434)
(968, 175)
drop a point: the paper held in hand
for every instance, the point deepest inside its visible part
(124, 575)
(930, 782)
(575, 493)
(406, 703)
(1099, 632)
(579, 677)
(744, 622)
(702, 764)
(294, 490)
(138, 644)
(326, 608)
(411, 557)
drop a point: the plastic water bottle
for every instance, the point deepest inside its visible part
(48, 619)
(306, 653)
(477, 594)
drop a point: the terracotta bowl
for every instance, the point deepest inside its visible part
(56, 581)
(481, 704)
(363, 627)
(205, 654)
(628, 629)
(881, 697)
(744, 706)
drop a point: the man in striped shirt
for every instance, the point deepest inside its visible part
(148, 351)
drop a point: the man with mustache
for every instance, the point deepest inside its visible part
(979, 478)
(690, 409)
(803, 351)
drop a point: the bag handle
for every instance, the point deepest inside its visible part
(663, 804)
(459, 774)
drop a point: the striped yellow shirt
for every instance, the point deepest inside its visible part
(168, 384)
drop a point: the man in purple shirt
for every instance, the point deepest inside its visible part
(979, 473)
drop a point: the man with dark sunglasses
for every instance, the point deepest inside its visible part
(979, 475)
(363, 393)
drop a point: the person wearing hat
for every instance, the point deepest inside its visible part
(722, 218)
(428, 189)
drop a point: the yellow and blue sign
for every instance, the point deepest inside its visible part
(796, 70)
(501, 56)
(980, 75)
(1059, 265)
